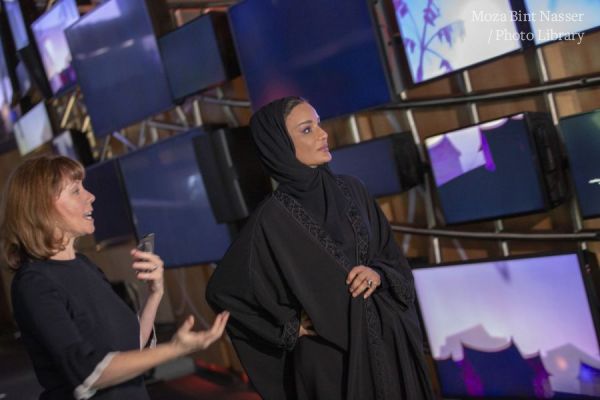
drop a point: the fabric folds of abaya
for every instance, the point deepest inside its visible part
(294, 254)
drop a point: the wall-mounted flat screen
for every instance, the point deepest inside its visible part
(199, 55)
(521, 328)
(440, 37)
(112, 216)
(486, 171)
(6, 85)
(168, 197)
(118, 64)
(386, 165)
(49, 33)
(16, 23)
(323, 50)
(581, 135)
(568, 20)
(33, 129)
(73, 144)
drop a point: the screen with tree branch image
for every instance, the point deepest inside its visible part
(441, 36)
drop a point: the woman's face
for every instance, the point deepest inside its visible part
(74, 208)
(310, 141)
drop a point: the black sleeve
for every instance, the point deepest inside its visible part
(389, 261)
(247, 284)
(41, 311)
(385, 255)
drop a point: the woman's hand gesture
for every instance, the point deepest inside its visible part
(188, 341)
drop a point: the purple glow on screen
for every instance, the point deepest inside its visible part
(456, 153)
(536, 308)
(49, 32)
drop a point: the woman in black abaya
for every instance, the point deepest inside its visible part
(320, 296)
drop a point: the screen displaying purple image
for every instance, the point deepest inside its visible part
(49, 33)
(7, 115)
(33, 129)
(16, 23)
(63, 145)
(441, 36)
(511, 328)
(486, 171)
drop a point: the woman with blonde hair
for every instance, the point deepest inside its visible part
(82, 338)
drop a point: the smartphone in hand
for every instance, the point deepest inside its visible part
(147, 243)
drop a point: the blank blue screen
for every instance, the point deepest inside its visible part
(323, 50)
(372, 162)
(112, 217)
(192, 58)
(168, 197)
(118, 64)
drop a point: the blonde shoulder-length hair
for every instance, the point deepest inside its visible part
(28, 214)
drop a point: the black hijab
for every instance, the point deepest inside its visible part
(314, 188)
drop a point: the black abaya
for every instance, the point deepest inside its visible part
(282, 263)
(295, 254)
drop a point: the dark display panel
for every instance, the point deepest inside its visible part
(199, 55)
(492, 170)
(232, 172)
(386, 165)
(168, 197)
(112, 217)
(581, 135)
(118, 65)
(322, 50)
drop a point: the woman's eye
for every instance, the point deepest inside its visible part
(307, 130)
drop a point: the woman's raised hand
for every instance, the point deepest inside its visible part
(149, 267)
(189, 341)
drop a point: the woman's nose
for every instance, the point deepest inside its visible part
(323, 133)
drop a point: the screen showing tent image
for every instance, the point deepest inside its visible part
(515, 328)
(486, 171)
